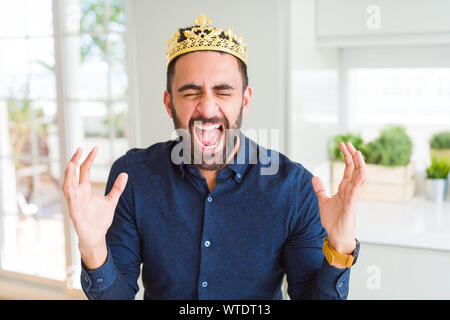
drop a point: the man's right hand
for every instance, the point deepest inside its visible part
(91, 214)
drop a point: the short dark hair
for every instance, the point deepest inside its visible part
(171, 68)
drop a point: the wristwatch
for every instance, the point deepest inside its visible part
(333, 256)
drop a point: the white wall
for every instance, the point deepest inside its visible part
(314, 85)
(263, 24)
(393, 272)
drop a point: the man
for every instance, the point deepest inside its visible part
(208, 226)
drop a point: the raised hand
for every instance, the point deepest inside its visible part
(90, 213)
(338, 213)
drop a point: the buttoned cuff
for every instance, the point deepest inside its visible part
(98, 279)
(334, 281)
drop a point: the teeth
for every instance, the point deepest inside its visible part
(213, 126)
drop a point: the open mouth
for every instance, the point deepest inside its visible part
(209, 135)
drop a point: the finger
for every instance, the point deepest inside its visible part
(362, 169)
(354, 153)
(67, 183)
(357, 188)
(117, 189)
(74, 164)
(359, 179)
(349, 166)
(85, 168)
(76, 156)
(319, 188)
(351, 148)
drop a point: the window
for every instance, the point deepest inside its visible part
(412, 93)
(35, 236)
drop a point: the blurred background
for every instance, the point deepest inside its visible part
(92, 72)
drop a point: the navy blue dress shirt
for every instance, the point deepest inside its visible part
(236, 242)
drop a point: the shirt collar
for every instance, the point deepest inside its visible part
(246, 154)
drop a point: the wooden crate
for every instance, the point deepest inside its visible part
(384, 183)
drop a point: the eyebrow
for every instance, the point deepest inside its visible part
(223, 87)
(191, 86)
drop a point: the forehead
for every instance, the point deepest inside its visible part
(201, 66)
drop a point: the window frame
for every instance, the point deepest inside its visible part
(25, 286)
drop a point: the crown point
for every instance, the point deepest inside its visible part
(202, 20)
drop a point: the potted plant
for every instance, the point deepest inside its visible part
(436, 182)
(389, 170)
(440, 145)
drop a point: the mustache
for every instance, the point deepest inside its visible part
(210, 120)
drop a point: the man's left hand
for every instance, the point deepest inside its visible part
(338, 213)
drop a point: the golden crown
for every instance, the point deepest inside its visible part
(206, 37)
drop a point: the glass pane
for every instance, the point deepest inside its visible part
(118, 72)
(49, 189)
(19, 115)
(33, 226)
(120, 112)
(39, 17)
(14, 68)
(42, 68)
(119, 82)
(46, 129)
(71, 19)
(12, 18)
(406, 94)
(92, 15)
(87, 71)
(94, 115)
(416, 98)
(116, 49)
(116, 15)
(96, 130)
(43, 86)
(99, 177)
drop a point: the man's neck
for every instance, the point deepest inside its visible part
(211, 175)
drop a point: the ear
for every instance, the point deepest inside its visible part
(246, 100)
(166, 100)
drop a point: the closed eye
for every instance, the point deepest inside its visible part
(190, 94)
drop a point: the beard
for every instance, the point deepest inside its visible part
(216, 159)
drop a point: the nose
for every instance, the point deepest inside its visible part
(208, 106)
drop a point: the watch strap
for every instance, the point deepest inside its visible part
(334, 256)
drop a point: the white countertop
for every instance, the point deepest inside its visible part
(419, 223)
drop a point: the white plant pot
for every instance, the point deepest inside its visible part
(436, 189)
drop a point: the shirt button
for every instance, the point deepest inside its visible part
(209, 199)
(207, 243)
(100, 280)
(238, 176)
(340, 284)
(204, 284)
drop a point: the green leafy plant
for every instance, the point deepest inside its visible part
(438, 169)
(391, 148)
(335, 151)
(92, 22)
(440, 140)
